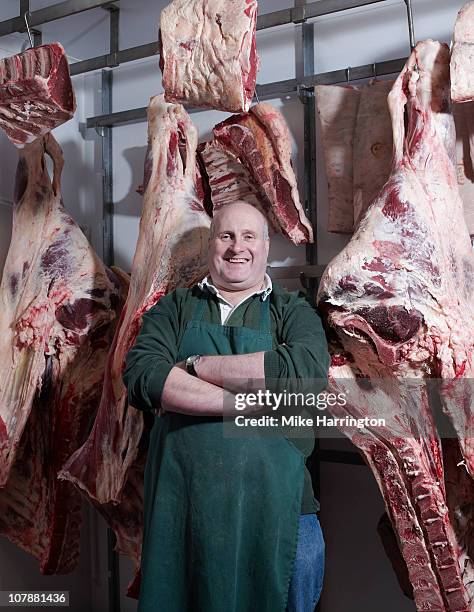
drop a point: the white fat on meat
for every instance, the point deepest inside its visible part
(337, 108)
(462, 56)
(208, 53)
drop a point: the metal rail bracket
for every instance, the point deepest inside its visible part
(298, 14)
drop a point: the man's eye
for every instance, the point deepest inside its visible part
(225, 236)
(249, 237)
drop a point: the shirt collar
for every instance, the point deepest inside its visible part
(264, 291)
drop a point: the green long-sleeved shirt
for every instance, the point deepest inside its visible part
(299, 349)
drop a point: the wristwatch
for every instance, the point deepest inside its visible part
(191, 364)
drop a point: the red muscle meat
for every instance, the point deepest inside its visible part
(400, 298)
(208, 53)
(250, 159)
(171, 252)
(59, 309)
(36, 93)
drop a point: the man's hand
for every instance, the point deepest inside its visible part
(231, 372)
(186, 394)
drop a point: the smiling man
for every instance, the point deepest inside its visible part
(230, 523)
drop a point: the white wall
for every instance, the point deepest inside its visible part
(351, 504)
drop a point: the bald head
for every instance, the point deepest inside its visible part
(236, 208)
(238, 248)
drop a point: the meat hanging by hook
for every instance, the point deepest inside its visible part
(25, 17)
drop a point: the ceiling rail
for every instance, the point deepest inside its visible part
(50, 13)
(297, 14)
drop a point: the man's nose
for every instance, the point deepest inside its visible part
(237, 244)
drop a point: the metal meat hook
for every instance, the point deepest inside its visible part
(25, 17)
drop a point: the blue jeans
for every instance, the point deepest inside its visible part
(308, 570)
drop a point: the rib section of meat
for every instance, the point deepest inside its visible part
(209, 54)
(462, 57)
(59, 309)
(400, 299)
(36, 93)
(171, 252)
(431, 516)
(250, 159)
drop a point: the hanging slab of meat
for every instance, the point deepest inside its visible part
(464, 120)
(373, 145)
(59, 308)
(400, 298)
(462, 56)
(337, 108)
(250, 159)
(356, 132)
(209, 54)
(433, 520)
(171, 252)
(36, 93)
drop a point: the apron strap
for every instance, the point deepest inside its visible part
(264, 325)
(199, 310)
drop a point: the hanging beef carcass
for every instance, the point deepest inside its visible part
(171, 252)
(373, 146)
(208, 53)
(462, 57)
(464, 120)
(356, 134)
(250, 159)
(357, 143)
(59, 308)
(36, 93)
(400, 298)
(337, 108)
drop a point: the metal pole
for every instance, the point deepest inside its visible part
(269, 90)
(113, 575)
(107, 174)
(24, 7)
(411, 28)
(304, 53)
(108, 258)
(50, 13)
(35, 36)
(297, 14)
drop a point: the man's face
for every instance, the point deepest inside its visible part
(238, 250)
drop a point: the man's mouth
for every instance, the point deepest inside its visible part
(237, 260)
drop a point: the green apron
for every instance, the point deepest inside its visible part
(221, 514)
